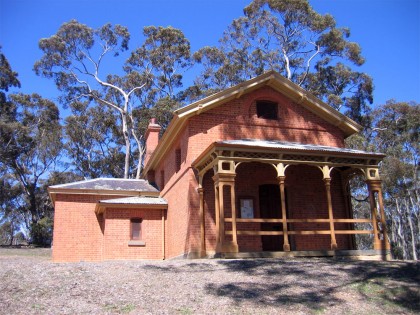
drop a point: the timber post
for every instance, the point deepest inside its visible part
(225, 177)
(327, 182)
(286, 245)
(374, 186)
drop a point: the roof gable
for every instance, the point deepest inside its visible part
(282, 85)
(272, 79)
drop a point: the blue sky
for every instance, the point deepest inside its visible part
(387, 30)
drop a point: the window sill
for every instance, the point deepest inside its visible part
(136, 243)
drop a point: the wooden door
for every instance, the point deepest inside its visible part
(270, 208)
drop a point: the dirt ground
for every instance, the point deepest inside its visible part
(31, 284)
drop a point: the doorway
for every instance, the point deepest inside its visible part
(270, 208)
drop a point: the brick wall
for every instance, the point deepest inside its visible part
(81, 235)
(77, 232)
(307, 199)
(237, 119)
(173, 181)
(117, 234)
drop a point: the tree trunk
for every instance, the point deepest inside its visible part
(127, 144)
(140, 158)
(400, 231)
(11, 232)
(410, 224)
(287, 66)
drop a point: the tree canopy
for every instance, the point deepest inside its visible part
(150, 72)
(30, 148)
(304, 46)
(397, 133)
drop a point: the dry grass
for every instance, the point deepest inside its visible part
(31, 284)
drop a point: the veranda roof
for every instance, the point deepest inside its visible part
(273, 151)
(295, 146)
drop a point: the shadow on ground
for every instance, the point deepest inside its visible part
(317, 283)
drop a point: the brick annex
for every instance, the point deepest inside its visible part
(259, 169)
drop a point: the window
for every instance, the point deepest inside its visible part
(162, 179)
(177, 160)
(135, 229)
(267, 110)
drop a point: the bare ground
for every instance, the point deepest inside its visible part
(31, 284)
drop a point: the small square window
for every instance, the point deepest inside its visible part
(135, 233)
(267, 110)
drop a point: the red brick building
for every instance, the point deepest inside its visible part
(257, 169)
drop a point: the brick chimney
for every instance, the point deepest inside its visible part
(152, 138)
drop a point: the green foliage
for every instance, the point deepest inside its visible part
(8, 77)
(165, 51)
(104, 125)
(288, 36)
(395, 131)
(41, 232)
(397, 134)
(94, 141)
(8, 231)
(29, 151)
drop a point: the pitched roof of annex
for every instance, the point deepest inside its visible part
(135, 201)
(106, 186)
(142, 202)
(270, 78)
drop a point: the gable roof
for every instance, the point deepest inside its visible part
(270, 78)
(106, 186)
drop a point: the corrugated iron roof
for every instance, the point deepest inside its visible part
(138, 185)
(136, 201)
(293, 146)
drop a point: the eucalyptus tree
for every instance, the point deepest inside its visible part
(31, 144)
(8, 77)
(30, 152)
(93, 141)
(75, 59)
(396, 132)
(168, 54)
(289, 36)
(9, 193)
